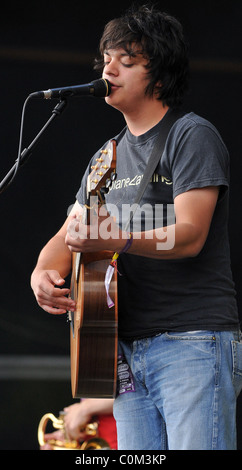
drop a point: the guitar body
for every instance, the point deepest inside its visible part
(93, 334)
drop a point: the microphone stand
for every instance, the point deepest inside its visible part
(59, 108)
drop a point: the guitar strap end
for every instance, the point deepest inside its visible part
(108, 278)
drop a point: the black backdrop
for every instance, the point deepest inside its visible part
(49, 45)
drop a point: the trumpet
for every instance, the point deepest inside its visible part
(91, 429)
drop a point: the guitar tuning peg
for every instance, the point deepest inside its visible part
(108, 183)
(104, 190)
(113, 176)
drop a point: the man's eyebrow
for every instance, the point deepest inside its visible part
(124, 54)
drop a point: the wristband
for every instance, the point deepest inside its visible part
(127, 244)
(113, 265)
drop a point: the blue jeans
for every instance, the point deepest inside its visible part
(186, 385)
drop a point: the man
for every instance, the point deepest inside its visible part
(178, 321)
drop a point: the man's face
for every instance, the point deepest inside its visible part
(128, 77)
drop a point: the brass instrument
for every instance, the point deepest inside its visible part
(91, 429)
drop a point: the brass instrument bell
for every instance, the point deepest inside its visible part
(91, 429)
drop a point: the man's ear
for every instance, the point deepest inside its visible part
(157, 88)
(158, 85)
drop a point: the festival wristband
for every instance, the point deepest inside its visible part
(127, 244)
(113, 265)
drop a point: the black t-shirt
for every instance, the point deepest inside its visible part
(184, 294)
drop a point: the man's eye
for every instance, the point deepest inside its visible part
(128, 65)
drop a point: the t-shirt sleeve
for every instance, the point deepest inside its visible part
(81, 194)
(200, 160)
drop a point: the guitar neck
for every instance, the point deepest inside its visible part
(90, 208)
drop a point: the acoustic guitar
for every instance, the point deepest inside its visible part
(93, 330)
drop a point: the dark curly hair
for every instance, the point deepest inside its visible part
(160, 38)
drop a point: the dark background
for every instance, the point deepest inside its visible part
(46, 45)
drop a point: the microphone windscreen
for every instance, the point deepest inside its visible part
(101, 87)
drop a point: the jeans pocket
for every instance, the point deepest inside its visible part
(237, 365)
(191, 335)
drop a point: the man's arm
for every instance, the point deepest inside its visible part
(53, 265)
(193, 210)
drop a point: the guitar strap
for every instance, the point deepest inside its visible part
(166, 124)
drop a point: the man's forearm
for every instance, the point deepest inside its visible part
(55, 256)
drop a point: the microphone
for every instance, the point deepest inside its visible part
(99, 88)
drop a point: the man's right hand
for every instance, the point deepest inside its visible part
(49, 293)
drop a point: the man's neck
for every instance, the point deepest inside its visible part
(140, 121)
